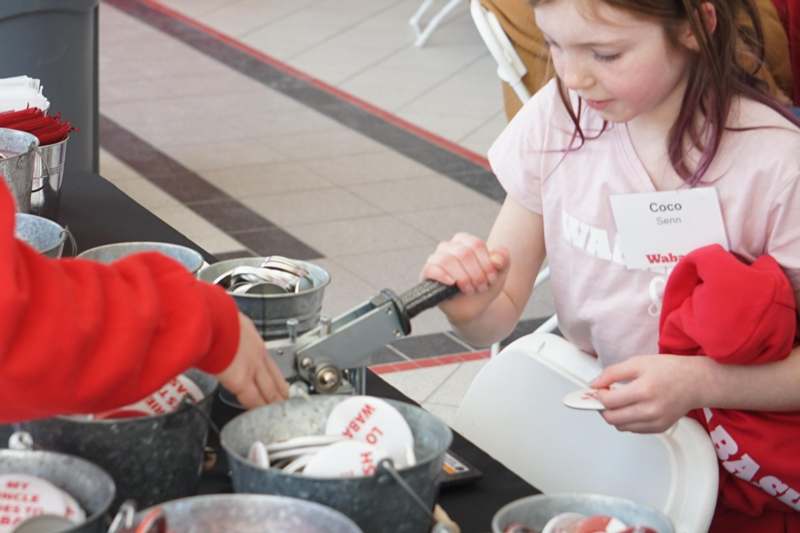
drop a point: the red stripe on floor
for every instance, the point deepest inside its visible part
(429, 362)
(441, 142)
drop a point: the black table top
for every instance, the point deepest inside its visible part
(98, 213)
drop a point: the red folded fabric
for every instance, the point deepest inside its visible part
(31, 124)
(48, 129)
(8, 117)
(55, 136)
(715, 305)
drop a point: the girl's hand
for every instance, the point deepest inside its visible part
(480, 273)
(252, 376)
(659, 390)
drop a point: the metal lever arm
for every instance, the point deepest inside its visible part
(357, 334)
(427, 294)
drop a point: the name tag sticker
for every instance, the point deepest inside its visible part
(657, 229)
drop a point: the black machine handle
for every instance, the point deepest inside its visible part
(427, 294)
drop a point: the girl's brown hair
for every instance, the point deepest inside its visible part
(716, 73)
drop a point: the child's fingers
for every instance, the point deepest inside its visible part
(250, 396)
(272, 384)
(500, 258)
(477, 248)
(461, 263)
(436, 273)
(445, 266)
(624, 371)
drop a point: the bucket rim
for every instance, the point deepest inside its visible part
(62, 231)
(80, 418)
(256, 498)
(522, 502)
(53, 145)
(144, 244)
(104, 476)
(33, 141)
(256, 259)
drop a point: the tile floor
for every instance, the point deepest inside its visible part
(312, 129)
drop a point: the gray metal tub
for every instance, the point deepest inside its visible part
(535, 511)
(91, 486)
(152, 459)
(375, 503)
(269, 312)
(251, 513)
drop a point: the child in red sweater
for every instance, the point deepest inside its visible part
(80, 337)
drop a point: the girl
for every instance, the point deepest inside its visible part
(648, 98)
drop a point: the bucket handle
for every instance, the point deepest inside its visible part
(155, 521)
(72, 242)
(45, 167)
(45, 170)
(210, 453)
(387, 470)
(188, 402)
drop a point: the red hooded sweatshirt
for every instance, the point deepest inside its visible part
(720, 307)
(79, 337)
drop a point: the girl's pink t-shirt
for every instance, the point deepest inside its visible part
(603, 307)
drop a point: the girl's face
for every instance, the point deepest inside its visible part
(623, 66)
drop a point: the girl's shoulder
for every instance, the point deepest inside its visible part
(758, 143)
(748, 116)
(760, 132)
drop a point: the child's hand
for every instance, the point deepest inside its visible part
(253, 377)
(467, 262)
(659, 390)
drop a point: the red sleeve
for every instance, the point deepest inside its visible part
(78, 337)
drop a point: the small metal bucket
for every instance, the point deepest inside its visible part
(90, 485)
(48, 176)
(375, 503)
(109, 253)
(269, 312)
(152, 459)
(535, 511)
(17, 164)
(46, 236)
(250, 513)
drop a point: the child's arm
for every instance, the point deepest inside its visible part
(663, 388)
(78, 336)
(495, 288)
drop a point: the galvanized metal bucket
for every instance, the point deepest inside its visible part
(250, 513)
(90, 485)
(48, 176)
(375, 503)
(152, 459)
(535, 511)
(269, 312)
(17, 164)
(46, 236)
(109, 253)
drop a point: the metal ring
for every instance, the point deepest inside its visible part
(278, 262)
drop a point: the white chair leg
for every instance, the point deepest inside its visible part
(548, 326)
(417, 16)
(424, 33)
